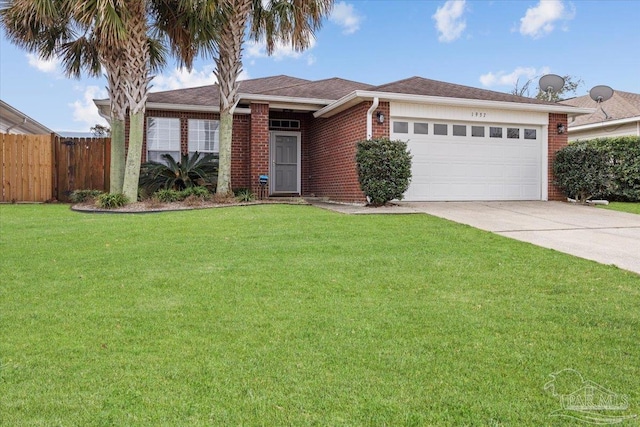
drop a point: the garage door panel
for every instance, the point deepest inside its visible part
(448, 168)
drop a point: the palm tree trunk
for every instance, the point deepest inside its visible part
(134, 156)
(116, 174)
(136, 54)
(228, 68)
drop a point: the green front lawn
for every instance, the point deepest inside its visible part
(292, 315)
(623, 207)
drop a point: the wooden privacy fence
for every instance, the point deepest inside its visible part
(41, 168)
(27, 164)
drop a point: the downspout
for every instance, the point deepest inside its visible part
(376, 101)
(24, 122)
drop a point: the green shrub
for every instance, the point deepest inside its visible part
(384, 169)
(244, 195)
(581, 171)
(624, 159)
(607, 168)
(190, 171)
(111, 201)
(81, 196)
(201, 193)
(169, 196)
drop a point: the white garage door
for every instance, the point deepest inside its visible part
(458, 161)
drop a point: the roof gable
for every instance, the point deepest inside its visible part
(421, 86)
(622, 105)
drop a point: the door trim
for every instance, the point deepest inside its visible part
(272, 160)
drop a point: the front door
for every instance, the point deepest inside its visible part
(285, 161)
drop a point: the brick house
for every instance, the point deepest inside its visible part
(467, 143)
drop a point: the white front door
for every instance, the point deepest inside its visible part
(285, 162)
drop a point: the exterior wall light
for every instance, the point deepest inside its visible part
(380, 117)
(561, 128)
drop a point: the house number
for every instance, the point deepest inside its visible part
(478, 114)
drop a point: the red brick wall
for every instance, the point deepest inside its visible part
(556, 142)
(332, 151)
(239, 144)
(259, 145)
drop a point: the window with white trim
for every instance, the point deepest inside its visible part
(204, 136)
(163, 137)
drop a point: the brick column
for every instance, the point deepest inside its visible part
(259, 147)
(556, 142)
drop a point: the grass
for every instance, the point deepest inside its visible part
(623, 207)
(291, 315)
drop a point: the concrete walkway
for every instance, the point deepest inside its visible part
(605, 236)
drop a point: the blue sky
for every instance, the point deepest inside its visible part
(485, 44)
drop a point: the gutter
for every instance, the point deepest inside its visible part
(370, 111)
(362, 95)
(24, 122)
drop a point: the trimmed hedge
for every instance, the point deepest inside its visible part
(602, 168)
(384, 169)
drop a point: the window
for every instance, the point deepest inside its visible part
(459, 130)
(495, 132)
(204, 136)
(421, 128)
(401, 127)
(163, 137)
(513, 133)
(477, 131)
(439, 129)
(529, 134)
(284, 124)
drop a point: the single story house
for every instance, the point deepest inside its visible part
(14, 121)
(617, 116)
(467, 143)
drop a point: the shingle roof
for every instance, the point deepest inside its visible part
(421, 86)
(334, 88)
(622, 105)
(209, 95)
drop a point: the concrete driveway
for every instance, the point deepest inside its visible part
(601, 235)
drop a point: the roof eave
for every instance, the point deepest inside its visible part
(358, 96)
(602, 124)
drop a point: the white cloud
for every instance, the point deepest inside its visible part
(346, 16)
(85, 111)
(181, 78)
(258, 50)
(44, 65)
(540, 20)
(449, 22)
(520, 75)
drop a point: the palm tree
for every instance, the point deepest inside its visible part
(91, 36)
(50, 29)
(220, 32)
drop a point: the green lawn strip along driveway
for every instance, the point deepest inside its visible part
(293, 315)
(623, 207)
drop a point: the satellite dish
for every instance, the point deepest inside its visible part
(601, 93)
(550, 84)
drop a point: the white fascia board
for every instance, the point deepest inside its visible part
(359, 96)
(292, 102)
(103, 105)
(603, 124)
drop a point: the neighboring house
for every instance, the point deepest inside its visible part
(467, 143)
(617, 116)
(16, 122)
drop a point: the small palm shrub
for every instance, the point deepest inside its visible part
(82, 196)
(201, 193)
(190, 171)
(111, 201)
(244, 195)
(168, 196)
